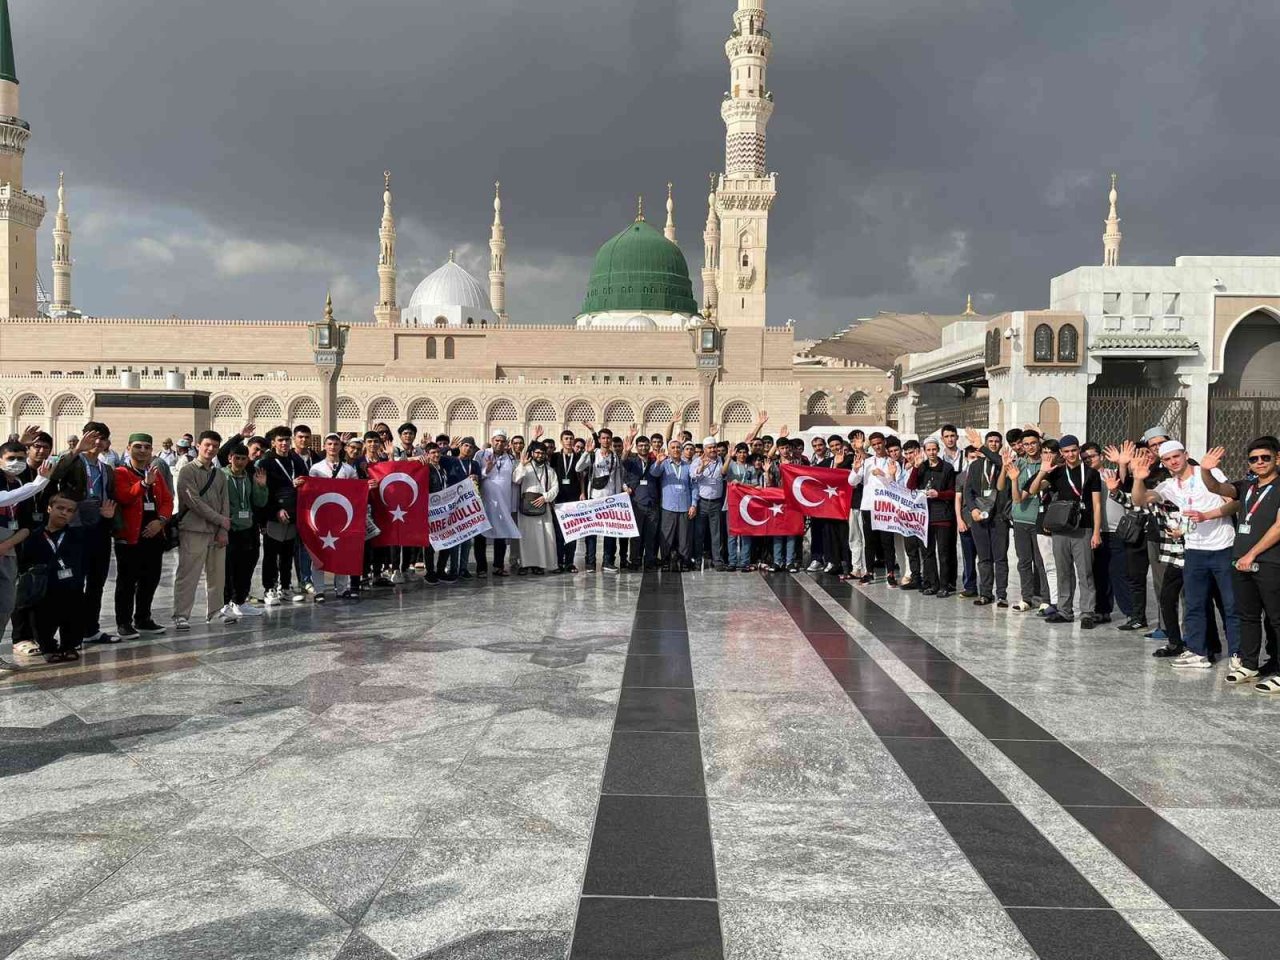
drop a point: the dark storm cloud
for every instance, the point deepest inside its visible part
(924, 148)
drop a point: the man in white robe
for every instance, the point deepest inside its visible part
(498, 492)
(536, 488)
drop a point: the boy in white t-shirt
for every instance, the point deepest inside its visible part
(1208, 536)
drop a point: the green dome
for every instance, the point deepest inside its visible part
(640, 270)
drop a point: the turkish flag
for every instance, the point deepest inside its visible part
(762, 512)
(331, 523)
(818, 491)
(401, 502)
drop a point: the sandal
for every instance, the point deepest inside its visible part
(1241, 675)
(1269, 685)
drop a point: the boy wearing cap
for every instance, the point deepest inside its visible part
(1208, 537)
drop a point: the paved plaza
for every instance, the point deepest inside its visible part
(710, 766)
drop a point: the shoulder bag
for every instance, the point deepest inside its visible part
(171, 528)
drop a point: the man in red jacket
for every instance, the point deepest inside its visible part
(145, 505)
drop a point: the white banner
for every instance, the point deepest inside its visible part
(609, 517)
(457, 514)
(895, 509)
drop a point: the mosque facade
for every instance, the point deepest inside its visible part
(643, 349)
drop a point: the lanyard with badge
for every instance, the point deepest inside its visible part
(241, 484)
(64, 572)
(148, 501)
(1247, 524)
(1072, 484)
(989, 475)
(568, 460)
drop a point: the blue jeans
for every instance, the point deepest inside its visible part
(1203, 566)
(302, 561)
(739, 551)
(784, 551)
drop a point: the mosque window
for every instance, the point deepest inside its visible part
(1068, 344)
(347, 409)
(441, 322)
(462, 410)
(578, 411)
(658, 413)
(502, 411)
(692, 412)
(266, 408)
(448, 348)
(384, 408)
(68, 406)
(619, 413)
(736, 412)
(423, 410)
(304, 410)
(857, 404)
(891, 413)
(746, 260)
(431, 348)
(819, 405)
(226, 408)
(541, 411)
(1042, 344)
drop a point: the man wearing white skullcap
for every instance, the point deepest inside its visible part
(1208, 537)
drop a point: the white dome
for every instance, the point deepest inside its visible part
(640, 322)
(450, 286)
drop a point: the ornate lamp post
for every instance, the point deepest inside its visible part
(328, 345)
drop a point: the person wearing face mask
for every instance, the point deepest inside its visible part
(536, 487)
(15, 528)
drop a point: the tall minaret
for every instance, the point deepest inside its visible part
(711, 254)
(498, 258)
(669, 231)
(21, 213)
(387, 313)
(1111, 237)
(61, 305)
(745, 192)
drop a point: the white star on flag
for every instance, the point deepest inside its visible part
(776, 509)
(831, 492)
(330, 541)
(398, 515)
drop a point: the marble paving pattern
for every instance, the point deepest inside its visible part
(421, 776)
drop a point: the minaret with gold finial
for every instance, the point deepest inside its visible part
(387, 312)
(498, 258)
(968, 307)
(61, 304)
(670, 230)
(711, 254)
(746, 191)
(1111, 237)
(21, 213)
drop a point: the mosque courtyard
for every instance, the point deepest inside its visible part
(699, 767)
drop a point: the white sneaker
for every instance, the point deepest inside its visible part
(309, 587)
(297, 596)
(813, 567)
(1043, 608)
(1190, 661)
(1236, 663)
(26, 648)
(397, 577)
(273, 598)
(244, 610)
(228, 614)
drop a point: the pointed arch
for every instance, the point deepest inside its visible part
(619, 413)
(423, 410)
(266, 409)
(578, 411)
(502, 411)
(737, 413)
(692, 413)
(819, 404)
(541, 411)
(463, 411)
(304, 410)
(891, 413)
(383, 408)
(347, 409)
(858, 404)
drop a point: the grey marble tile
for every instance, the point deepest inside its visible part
(45, 872)
(839, 851)
(1188, 774)
(561, 791)
(178, 770)
(446, 891)
(95, 792)
(456, 809)
(796, 669)
(170, 863)
(295, 801)
(344, 873)
(780, 746)
(533, 732)
(247, 913)
(1171, 936)
(1237, 837)
(507, 944)
(254, 736)
(156, 698)
(29, 707)
(755, 930)
(1122, 719)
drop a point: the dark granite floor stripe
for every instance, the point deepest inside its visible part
(1180, 871)
(649, 889)
(1020, 866)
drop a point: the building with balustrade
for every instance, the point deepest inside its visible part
(453, 359)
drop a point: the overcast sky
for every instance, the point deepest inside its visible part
(225, 159)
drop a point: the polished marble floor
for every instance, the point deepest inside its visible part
(702, 767)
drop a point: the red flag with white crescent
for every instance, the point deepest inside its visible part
(762, 512)
(331, 516)
(818, 491)
(401, 500)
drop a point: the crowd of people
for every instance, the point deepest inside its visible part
(1091, 528)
